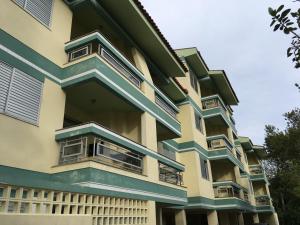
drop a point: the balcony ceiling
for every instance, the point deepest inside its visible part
(93, 98)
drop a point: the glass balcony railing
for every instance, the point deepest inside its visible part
(95, 149)
(170, 175)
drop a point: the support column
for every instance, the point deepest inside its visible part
(241, 219)
(273, 219)
(149, 139)
(255, 218)
(180, 217)
(152, 213)
(212, 218)
(159, 219)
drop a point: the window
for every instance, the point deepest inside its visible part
(20, 94)
(39, 9)
(194, 80)
(198, 122)
(204, 168)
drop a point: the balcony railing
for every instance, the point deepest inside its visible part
(170, 175)
(165, 106)
(213, 102)
(256, 169)
(218, 142)
(262, 201)
(161, 148)
(227, 191)
(99, 150)
(99, 45)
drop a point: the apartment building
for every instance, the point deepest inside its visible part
(102, 122)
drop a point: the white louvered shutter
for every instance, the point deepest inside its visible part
(5, 77)
(40, 9)
(24, 97)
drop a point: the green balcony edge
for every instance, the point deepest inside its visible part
(96, 36)
(225, 204)
(209, 113)
(26, 59)
(207, 154)
(93, 181)
(95, 129)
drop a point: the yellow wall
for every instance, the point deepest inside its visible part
(34, 147)
(18, 219)
(222, 171)
(48, 42)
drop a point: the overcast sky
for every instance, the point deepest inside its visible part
(234, 35)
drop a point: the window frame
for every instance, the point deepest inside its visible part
(204, 169)
(198, 118)
(7, 113)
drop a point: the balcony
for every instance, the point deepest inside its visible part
(96, 43)
(170, 175)
(263, 200)
(227, 189)
(92, 148)
(93, 142)
(213, 101)
(93, 59)
(255, 170)
(218, 142)
(165, 106)
(214, 106)
(220, 148)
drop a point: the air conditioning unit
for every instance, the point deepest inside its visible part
(217, 144)
(211, 104)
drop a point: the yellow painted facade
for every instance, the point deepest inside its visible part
(119, 174)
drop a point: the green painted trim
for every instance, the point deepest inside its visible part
(193, 146)
(267, 208)
(111, 184)
(190, 101)
(26, 59)
(219, 204)
(220, 136)
(94, 68)
(210, 154)
(213, 112)
(92, 128)
(258, 177)
(96, 36)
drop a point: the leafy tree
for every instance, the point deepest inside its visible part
(288, 22)
(283, 167)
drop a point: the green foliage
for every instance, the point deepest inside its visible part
(283, 167)
(289, 23)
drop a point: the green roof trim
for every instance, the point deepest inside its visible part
(224, 86)
(194, 59)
